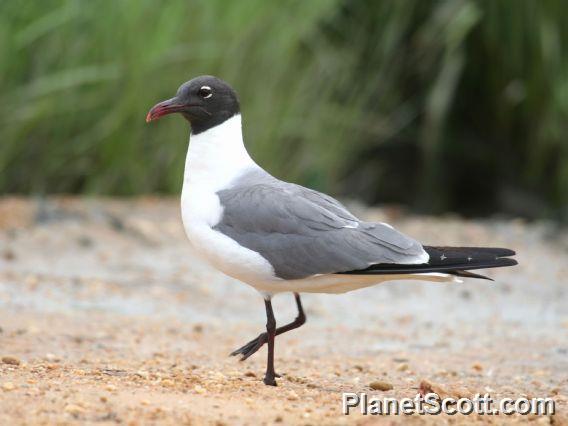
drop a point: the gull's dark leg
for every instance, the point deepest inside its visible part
(255, 344)
(270, 376)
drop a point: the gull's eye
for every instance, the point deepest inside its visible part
(205, 92)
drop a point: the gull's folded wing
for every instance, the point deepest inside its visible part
(302, 232)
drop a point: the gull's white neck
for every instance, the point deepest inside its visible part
(216, 156)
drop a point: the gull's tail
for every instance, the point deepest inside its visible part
(449, 260)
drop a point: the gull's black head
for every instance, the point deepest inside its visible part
(205, 102)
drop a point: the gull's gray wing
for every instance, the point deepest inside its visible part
(302, 232)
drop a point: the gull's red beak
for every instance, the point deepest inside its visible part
(163, 108)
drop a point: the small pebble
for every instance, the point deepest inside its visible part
(292, 396)
(8, 386)
(12, 360)
(52, 358)
(382, 386)
(477, 366)
(74, 409)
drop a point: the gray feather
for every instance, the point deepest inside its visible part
(302, 232)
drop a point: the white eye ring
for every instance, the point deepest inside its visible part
(205, 89)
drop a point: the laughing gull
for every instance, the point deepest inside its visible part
(281, 237)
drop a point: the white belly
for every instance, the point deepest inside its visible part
(343, 283)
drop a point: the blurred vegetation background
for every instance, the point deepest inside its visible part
(458, 105)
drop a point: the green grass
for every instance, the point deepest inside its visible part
(441, 105)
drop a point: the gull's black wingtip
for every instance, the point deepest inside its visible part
(445, 255)
(450, 260)
(503, 252)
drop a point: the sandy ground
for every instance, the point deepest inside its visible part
(107, 317)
